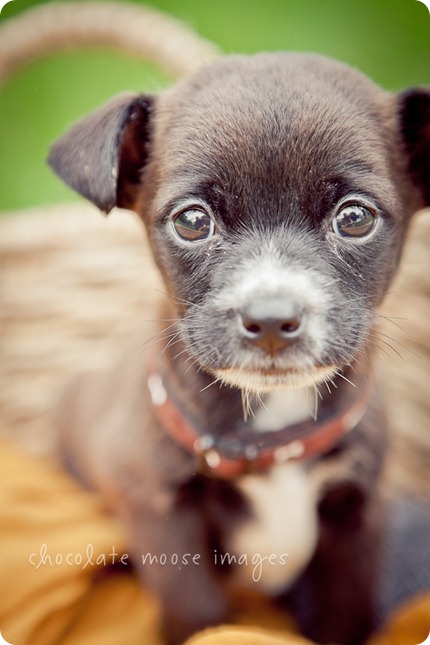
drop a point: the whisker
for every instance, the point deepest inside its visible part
(333, 383)
(162, 331)
(381, 340)
(261, 401)
(244, 408)
(189, 347)
(246, 405)
(214, 382)
(344, 378)
(251, 411)
(394, 340)
(157, 341)
(176, 356)
(317, 394)
(172, 341)
(382, 349)
(327, 385)
(391, 319)
(158, 320)
(360, 364)
(193, 361)
(181, 300)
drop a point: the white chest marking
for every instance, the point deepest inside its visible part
(277, 542)
(284, 408)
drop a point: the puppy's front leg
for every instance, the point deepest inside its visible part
(172, 556)
(334, 600)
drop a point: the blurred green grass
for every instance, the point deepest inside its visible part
(387, 39)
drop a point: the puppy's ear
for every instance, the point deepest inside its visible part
(415, 129)
(101, 156)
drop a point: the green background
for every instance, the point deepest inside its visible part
(387, 39)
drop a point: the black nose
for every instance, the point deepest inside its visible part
(272, 324)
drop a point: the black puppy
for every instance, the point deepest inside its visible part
(276, 191)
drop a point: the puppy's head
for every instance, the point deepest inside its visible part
(276, 190)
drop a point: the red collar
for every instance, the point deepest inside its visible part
(245, 450)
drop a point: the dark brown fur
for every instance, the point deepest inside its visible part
(264, 140)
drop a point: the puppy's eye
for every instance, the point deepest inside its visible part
(193, 225)
(354, 220)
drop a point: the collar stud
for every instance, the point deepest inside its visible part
(203, 443)
(212, 459)
(292, 450)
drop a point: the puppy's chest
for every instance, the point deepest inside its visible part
(277, 540)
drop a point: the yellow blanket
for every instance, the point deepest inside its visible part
(57, 585)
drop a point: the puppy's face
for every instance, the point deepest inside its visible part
(276, 192)
(277, 222)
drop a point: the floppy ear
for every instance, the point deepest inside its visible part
(101, 156)
(415, 129)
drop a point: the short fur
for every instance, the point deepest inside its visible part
(270, 146)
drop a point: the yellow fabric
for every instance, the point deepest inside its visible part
(245, 636)
(74, 598)
(67, 604)
(409, 626)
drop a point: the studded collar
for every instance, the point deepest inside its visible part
(243, 450)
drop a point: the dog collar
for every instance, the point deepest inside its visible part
(245, 450)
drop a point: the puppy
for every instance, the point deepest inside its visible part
(276, 191)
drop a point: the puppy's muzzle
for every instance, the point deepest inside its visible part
(271, 324)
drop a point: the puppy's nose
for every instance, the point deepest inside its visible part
(272, 324)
